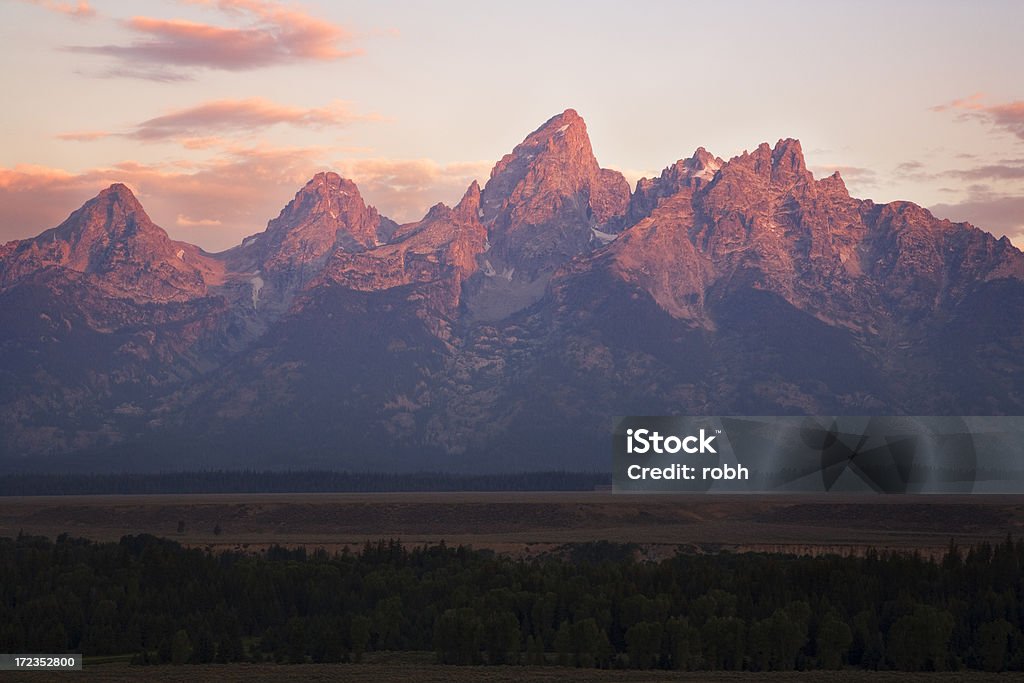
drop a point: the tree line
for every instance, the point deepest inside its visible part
(290, 481)
(594, 605)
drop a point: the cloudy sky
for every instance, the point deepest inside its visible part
(216, 111)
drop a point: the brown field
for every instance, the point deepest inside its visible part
(525, 524)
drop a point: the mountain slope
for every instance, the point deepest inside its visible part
(503, 333)
(99, 318)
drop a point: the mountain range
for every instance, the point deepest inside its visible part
(503, 333)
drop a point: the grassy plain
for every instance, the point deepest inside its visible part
(528, 524)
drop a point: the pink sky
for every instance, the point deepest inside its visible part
(216, 111)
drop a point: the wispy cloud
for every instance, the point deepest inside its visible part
(274, 34)
(79, 10)
(910, 167)
(155, 73)
(997, 212)
(914, 170)
(83, 135)
(211, 124)
(242, 115)
(1005, 116)
(189, 222)
(1007, 170)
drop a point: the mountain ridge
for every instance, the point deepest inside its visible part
(503, 332)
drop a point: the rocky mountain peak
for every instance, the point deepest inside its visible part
(112, 240)
(702, 165)
(788, 158)
(765, 170)
(558, 151)
(112, 226)
(438, 211)
(117, 193)
(684, 175)
(468, 207)
(113, 213)
(834, 185)
(327, 213)
(545, 198)
(565, 131)
(326, 201)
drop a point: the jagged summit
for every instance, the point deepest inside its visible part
(469, 206)
(566, 130)
(119, 190)
(561, 145)
(115, 210)
(112, 239)
(325, 205)
(783, 163)
(327, 213)
(112, 218)
(544, 199)
(788, 157)
(686, 174)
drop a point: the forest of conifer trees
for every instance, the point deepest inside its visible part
(592, 606)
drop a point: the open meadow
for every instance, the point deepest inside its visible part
(527, 524)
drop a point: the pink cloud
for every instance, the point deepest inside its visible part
(83, 135)
(78, 10)
(1009, 170)
(155, 73)
(246, 115)
(275, 35)
(205, 142)
(189, 222)
(210, 124)
(1006, 116)
(971, 102)
(298, 33)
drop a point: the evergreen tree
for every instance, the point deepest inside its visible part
(181, 647)
(501, 638)
(995, 638)
(458, 636)
(919, 641)
(205, 649)
(360, 635)
(834, 640)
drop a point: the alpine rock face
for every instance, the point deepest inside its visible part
(503, 333)
(545, 203)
